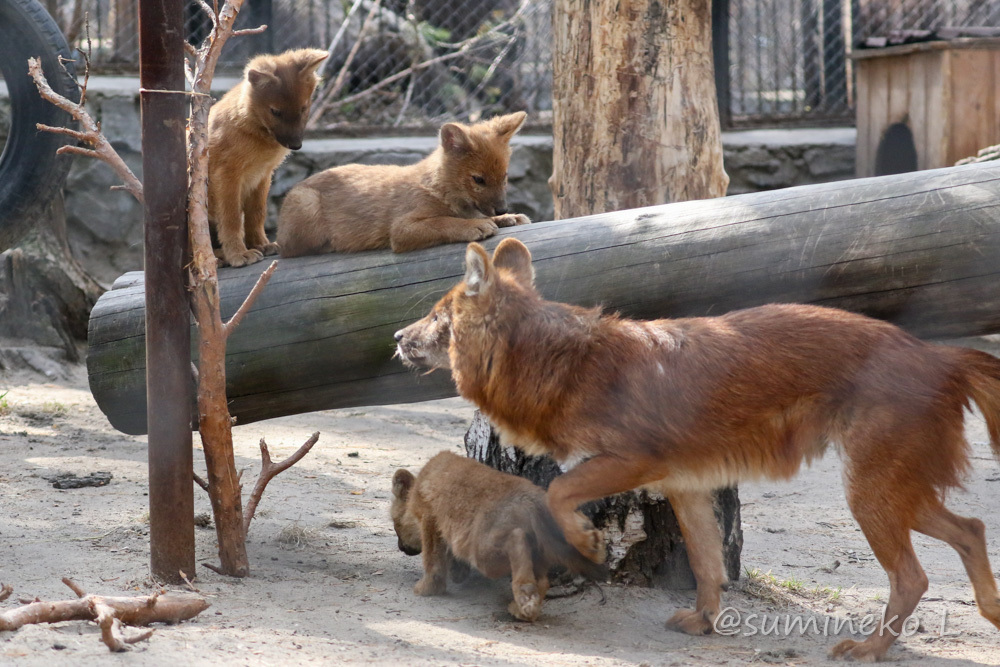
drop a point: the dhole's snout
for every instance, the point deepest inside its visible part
(407, 549)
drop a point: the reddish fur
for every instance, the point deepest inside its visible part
(688, 405)
(365, 207)
(498, 523)
(247, 142)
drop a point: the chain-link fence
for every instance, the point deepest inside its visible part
(415, 63)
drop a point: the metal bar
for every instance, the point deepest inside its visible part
(168, 338)
(720, 54)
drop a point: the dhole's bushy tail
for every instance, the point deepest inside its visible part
(984, 387)
(552, 541)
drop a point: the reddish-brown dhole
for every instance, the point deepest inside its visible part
(685, 406)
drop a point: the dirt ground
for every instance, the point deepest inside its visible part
(329, 586)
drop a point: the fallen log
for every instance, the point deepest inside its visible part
(920, 249)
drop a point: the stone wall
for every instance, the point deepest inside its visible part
(106, 226)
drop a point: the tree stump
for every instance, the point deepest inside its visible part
(645, 547)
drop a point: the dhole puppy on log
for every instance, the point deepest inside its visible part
(497, 523)
(684, 406)
(457, 193)
(250, 132)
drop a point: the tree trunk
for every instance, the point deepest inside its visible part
(635, 117)
(636, 123)
(921, 250)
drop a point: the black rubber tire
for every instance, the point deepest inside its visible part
(30, 171)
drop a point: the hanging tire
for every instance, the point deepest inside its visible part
(30, 171)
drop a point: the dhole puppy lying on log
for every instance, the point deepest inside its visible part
(457, 193)
(457, 508)
(685, 406)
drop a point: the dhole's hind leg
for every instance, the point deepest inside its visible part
(881, 506)
(696, 515)
(527, 602)
(968, 538)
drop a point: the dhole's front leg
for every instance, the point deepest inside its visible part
(415, 233)
(255, 217)
(435, 558)
(595, 478)
(696, 515)
(227, 215)
(527, 602)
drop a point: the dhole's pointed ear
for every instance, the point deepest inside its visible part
(454, 138)
(402, 482)
(514, 256)
(506, 126)
(311, 59)
(478, 270)
(259, 79)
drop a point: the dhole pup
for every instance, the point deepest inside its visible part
(457, 193)
(495, 522)
(250, 132)
(685, 406)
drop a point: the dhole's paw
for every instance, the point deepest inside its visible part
(244, 258)
(480, 229)
(587, 540)
(527, 603)
(690, 621)
(429, 586)
(268, 249)
(860, 651)
(511, 220)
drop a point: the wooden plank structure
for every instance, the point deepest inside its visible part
(947, 93)
(921, 250)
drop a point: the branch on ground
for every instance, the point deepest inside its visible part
(111, 613)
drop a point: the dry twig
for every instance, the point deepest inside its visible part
(269, 471)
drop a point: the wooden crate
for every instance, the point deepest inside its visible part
(945, 92)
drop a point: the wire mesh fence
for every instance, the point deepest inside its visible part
(416, 63)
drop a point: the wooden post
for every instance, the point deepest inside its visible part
(167, 321)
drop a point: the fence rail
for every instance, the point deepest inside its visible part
(415, 63)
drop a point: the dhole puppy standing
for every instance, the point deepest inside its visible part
(685, 406)
(457, 193)
(250, 132)
(498, 523)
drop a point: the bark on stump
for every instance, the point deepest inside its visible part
(644, 541)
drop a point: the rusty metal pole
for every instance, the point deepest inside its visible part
(168, 337)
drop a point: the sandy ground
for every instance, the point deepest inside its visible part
(329, 586)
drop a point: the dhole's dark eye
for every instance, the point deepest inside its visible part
(276, 113)
(434, 319)
(479, 180)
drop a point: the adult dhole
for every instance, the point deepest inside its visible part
(685, 406)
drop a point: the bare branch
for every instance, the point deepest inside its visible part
(250, 31)
(200, 482)
(241, 312)
(269, 471)
(75, 587)
(342, 74)
(91, 134)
